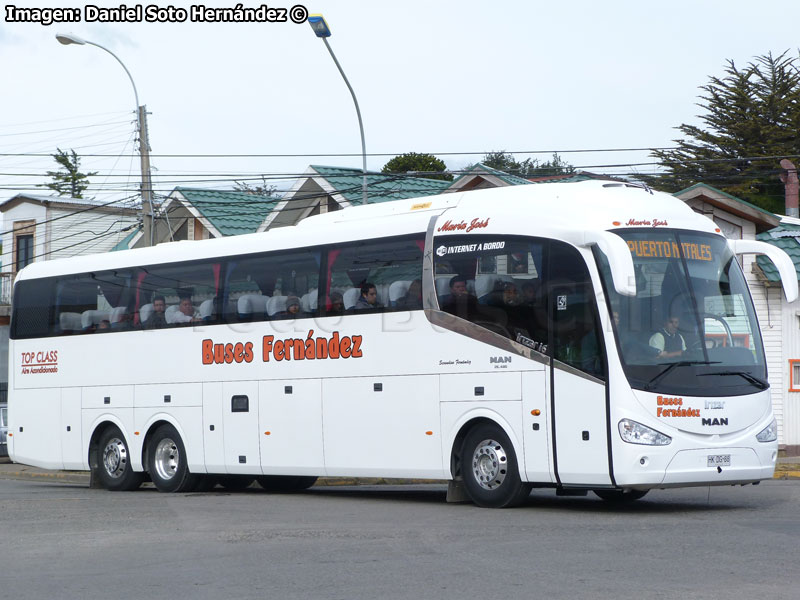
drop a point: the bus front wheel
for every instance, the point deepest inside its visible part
(489, 468)
(166, 462)
(113, 462)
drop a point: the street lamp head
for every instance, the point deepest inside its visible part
(68, 38)
(319, 26)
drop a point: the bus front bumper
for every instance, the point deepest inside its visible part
(720, 466)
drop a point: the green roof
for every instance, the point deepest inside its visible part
(381, 187)
(230, 212)
(479, 168)
(787, 238)
(124, 243)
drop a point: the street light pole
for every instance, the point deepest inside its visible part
(322, 30)
(144, 146)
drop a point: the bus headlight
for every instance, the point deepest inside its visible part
(636, 433)
(769, 433)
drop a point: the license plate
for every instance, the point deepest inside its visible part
(719, 460)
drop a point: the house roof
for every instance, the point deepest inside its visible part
(480, 169)
(126, 242)
(741, 208)
(786, 237)
(229, 212)
(380, 186)
(66, 202)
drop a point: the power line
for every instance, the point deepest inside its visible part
(374, 154)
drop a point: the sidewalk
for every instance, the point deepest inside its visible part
(788, 468)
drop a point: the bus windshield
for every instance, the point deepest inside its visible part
(691, 327)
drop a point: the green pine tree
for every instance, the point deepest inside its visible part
(751, 120)
(68, 181)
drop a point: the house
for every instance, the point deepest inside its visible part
(778, 320)
(200, 214)
(785, 318)
(48, 227)
(479, 176)
(324, 189)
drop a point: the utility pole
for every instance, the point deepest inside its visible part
(144, 144)
(147, 187)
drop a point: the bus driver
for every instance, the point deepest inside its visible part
(667, 340)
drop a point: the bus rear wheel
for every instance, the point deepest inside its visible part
(166, 462)
(285, 483)
(620, 496)
(113, 462)
(489, 468)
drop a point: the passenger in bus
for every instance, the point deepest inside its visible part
(667, 340)
(368, 300)
(292, 307)
(337, 304)
(124, 321)
(157, 320)
(413, 297)
(511, 295)
(529, 293)
(104, 325)
(186, 312)
(459, 302)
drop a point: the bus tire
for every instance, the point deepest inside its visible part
(286, 483)
(489, 468)
(167, 462)
(620, 496)
(114, 462)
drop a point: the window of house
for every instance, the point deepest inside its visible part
(794, 375)
(24, 250)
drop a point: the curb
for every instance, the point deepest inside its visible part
(32, 473)
(15, 471)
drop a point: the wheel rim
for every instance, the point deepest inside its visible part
(167, 458)
(489, 464)
(115, 458)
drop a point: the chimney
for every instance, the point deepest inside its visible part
(792, 186)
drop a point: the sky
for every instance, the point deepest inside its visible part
(453, 78)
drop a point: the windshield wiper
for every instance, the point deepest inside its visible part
(681, 363)
(757, 381)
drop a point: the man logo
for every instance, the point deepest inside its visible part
(499, 359)
(712, 422)
(441, 251)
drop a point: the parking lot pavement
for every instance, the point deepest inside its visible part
(788, 468)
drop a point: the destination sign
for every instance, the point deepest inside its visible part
(670, 249)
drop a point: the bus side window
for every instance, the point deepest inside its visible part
(196, 282)
(33, 310)
(495, 283)
(391, 265)
(264, 286)
(575, 331)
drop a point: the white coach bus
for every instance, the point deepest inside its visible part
(579, 336)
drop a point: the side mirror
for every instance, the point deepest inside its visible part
(779, 258)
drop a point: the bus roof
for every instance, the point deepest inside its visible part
(542, 210)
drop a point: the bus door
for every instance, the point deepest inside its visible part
(578, 373)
